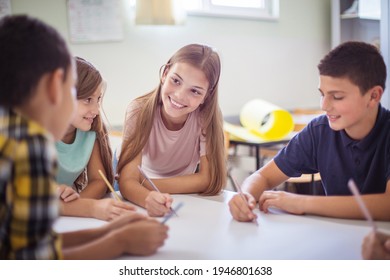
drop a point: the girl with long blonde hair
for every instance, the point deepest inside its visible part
(175, 133)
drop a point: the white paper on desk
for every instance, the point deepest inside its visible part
(266, 120)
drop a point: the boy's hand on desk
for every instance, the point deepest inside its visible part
(66, 193)
(288, 202)
(108, 209)
(142, 237)
(158, 204)
(376, 246)
(241, 207)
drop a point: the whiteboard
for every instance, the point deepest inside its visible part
(5, 8)
(94, 21)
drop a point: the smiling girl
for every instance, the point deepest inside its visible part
(175, 133)
(85, 149)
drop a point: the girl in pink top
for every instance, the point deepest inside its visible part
(175, 133)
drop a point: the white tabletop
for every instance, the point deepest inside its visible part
(205, 230)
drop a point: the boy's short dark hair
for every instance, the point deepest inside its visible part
(360, 62)
(29, 48)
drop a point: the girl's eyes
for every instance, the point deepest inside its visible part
(194, 91)
(89, 100)
(176, 81)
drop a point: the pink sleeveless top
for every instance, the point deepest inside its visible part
(169, 153)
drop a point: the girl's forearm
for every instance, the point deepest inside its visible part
(133, 191)
(194, 183)
(95, 189)
(82, 207)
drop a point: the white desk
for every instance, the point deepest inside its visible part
(205, 230)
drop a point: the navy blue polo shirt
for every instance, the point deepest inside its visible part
(318, 148)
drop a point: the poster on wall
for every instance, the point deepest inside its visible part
(94, 21)
(5, 8)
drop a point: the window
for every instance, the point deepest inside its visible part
(256, 9)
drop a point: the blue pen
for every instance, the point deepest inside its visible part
(170, 214)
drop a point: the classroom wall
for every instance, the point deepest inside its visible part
(272, 60)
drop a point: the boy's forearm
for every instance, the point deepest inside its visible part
(346, 207)
(75, 238)
(266, 178)
(106, 246)
(255, 185)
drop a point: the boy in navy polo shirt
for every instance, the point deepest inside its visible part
(352, 140)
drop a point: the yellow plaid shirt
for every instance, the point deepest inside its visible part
(28, 201)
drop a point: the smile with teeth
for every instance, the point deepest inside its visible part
(90, 119)
(333, 117)
(178, 105)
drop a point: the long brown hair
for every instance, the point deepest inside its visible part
(89, 79)
(207, 60)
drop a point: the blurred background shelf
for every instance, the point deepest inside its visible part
(368, 22)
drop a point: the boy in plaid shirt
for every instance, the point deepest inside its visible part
(37, 101)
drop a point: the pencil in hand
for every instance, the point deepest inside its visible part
(153, 185)
(170, 214)
(238, 188)
(355, 191)
(109, 185)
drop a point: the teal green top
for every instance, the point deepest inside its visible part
(74, 157)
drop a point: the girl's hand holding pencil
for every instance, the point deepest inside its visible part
(158, 204)
(108, 209)
(110, 187)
